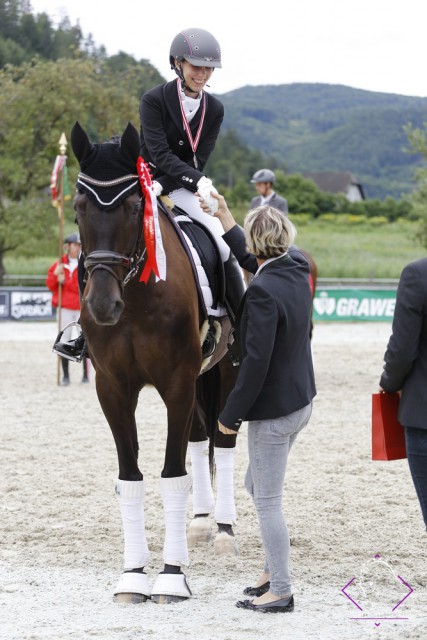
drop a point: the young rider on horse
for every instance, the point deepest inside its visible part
(180, 124)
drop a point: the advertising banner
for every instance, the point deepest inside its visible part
(331, 303)
(336, 304)
(26, 303)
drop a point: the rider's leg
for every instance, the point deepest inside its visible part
(73, 349)
(234, 281)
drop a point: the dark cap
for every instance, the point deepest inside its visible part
(73, 237)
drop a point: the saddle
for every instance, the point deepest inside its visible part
(205, 260)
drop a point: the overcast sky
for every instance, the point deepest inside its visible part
(378, 45)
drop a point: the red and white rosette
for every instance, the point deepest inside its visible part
(156, 256)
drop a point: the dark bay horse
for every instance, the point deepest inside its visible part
(145, 333)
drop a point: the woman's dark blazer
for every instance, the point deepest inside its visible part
(276, 374)
(164, 141)
(405, 360)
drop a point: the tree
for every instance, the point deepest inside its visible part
(418, 141)
(38, 101)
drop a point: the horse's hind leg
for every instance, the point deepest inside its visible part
(225, 506)
(212, 390)
(199, 529)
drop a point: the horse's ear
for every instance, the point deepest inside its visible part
(130, 143)
(80, 143)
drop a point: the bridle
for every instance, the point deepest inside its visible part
(108, 260)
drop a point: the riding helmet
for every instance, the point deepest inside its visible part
(264, 175)
(197, 46)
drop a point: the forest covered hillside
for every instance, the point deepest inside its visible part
(321, 127)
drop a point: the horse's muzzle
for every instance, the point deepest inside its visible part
(104, 301)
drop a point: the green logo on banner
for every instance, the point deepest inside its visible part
(354, 304)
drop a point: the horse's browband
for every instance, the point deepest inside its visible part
(106, 183)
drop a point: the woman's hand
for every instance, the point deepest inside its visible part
(226, 431)
(223, 213)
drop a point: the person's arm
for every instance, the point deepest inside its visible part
(403, 346)
(55, 275)
(234, 235)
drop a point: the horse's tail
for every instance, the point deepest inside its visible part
(208, 395)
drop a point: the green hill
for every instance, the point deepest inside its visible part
(322, 127)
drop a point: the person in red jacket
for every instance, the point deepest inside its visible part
(67, 296)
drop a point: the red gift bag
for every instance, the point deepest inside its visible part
(388, 435)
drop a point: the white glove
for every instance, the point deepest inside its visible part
(205, 189)
(157, 188)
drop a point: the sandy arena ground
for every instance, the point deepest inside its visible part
(61, 538)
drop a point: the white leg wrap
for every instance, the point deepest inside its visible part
(131, 500)
(175, 492)
(203, 497)
(225, 508)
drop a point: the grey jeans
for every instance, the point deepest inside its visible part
(269, 443)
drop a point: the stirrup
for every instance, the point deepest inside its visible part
(209, 343)
(67, 350)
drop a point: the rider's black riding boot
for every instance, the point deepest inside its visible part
(234, 292)
(234, 286)
(72, 350)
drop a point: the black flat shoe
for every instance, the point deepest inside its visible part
(257, 591)
(285, 605)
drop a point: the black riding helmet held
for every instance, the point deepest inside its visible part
(197, 46)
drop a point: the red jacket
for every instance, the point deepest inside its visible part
(70, 286)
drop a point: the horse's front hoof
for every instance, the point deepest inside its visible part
(167, 599)
(225, 544)
(132, 588)
(130, 598)
(170, 587)
(199, 531)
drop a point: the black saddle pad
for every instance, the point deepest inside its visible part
(208, 254)
(210, 257)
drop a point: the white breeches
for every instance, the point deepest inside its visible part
(187, 201)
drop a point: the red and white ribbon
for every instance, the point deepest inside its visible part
(193, 142)
(156, 256)
(54, 180)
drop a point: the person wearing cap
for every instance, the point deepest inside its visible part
(64, 273)
(263, 181)
(180, 123)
